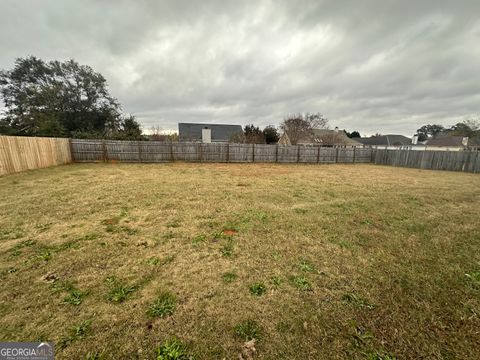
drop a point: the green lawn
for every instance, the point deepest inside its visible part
(312, 261)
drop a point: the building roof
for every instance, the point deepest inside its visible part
(445, 140)
(220, 132)
(333, 137)
(322, 137)
(386, 140)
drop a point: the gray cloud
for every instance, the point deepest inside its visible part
(373, 66)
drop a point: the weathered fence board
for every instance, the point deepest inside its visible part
(153, 151)
(468, 161)
(20, 153)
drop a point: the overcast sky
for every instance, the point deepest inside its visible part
(373, 65)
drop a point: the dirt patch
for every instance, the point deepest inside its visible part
(229, 232)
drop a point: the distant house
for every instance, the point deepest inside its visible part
(387, 141)
(207, 132)
(449, 142)
(321, 137)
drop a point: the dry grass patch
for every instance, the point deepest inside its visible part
(358, 262)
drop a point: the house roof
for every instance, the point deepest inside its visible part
(333, 137)
(388, 140)
(322, 137)
(220, 132)
(446, 140)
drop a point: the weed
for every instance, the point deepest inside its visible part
(344, 244)
(96, 356)
(356, 301)
(172, 349)
(91, 236)
(119, 292)
(276, 281)
(474, 277)
(45, 255)
(229, 277)
(163, 306)
(153, 261)
(169, 259)
(199, 239)
(15, 253)
(218, 235)
(63, 286)
(11, 233)
(227, 249)
(361, 336)
(276, 255)
(75, 297)
(306, 266)
(248, 330)
(78, 332)
(257, 289)
(302, 283)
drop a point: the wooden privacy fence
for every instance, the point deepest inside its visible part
(468, 161)
(24, 153)
(19, 153)
(156, 151)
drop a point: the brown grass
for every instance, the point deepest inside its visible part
(385, 250)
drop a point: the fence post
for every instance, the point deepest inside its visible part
(228, 152)
(336, 155)
(200, 151)
(318, 155)
(171, 152)
(104, 151)
(253, 152)
(71, 149)
(276, 154)
(139, 151)
(354, 154)
(298, 153)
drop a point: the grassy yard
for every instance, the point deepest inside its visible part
(115, 261)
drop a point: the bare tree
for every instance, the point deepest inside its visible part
(299, 125)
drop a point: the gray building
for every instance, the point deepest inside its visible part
(218, 132)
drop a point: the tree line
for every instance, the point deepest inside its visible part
(468, 128)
